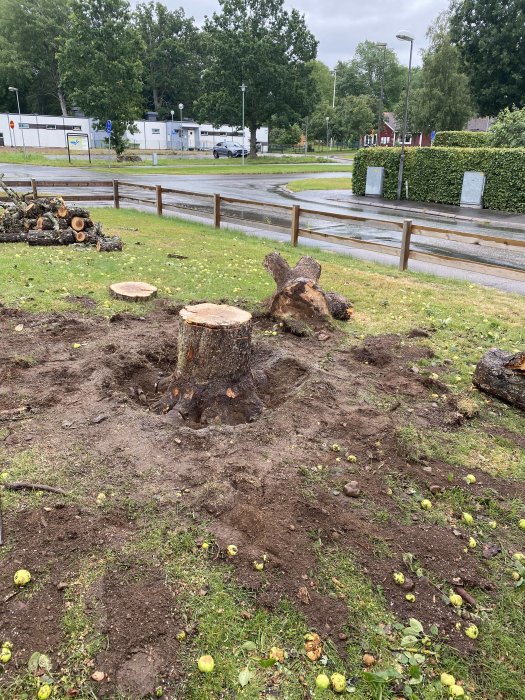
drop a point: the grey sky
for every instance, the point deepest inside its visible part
(339, 26)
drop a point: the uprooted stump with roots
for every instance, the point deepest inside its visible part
(502, 374)
(213, 382)
(299, 302)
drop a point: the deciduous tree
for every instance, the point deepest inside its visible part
(100, 64)
(260, 44)
(508, 131)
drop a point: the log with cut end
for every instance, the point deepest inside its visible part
(77, 223)
(502, 374)
(109, 245)
(133, 291)
(213, 382)
(62, 211)
(13, 236)
(299, 302)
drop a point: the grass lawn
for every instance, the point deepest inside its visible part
(325, 183)
(218, 615)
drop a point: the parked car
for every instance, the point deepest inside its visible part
(228, 148)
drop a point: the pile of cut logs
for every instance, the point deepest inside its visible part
(48, 221)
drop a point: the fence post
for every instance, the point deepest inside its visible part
(296, 216)
(33, 187)
(158, 193)
(116, 197)
(405, 244)
(217, 210)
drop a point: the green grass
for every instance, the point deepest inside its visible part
(465, 319)
(325, 183)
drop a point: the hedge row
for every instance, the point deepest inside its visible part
(436, 174)
(461, 139)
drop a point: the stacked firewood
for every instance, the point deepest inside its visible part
(49, 221)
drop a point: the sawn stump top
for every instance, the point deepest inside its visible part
(215, 315)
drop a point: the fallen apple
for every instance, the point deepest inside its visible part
(159, 691)
(472, 543)
(472, 632)
(205, 545)
(338, 682)
(22, 577)
(322, 681)
(399, 578)
(521, 524)
(518, 556)
(206, 663)
(410, 597)
(493, 524)
(335, 448)
(470, 479)
(258, 565)
(7, 645)
(467, 518)
(447, 680)
(516, 576)
(232, 550)
(101, 499)
(456, 691)
(351, 458)
(456, 600)
(44, 692)
(426, 504)
(5, 656)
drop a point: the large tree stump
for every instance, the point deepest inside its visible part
(213, 382)
(132, 291)
(502, 374)
(299, 302)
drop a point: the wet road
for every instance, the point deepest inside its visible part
(269, 189)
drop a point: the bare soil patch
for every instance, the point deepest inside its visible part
(273, 486)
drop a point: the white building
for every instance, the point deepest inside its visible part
(41, 131)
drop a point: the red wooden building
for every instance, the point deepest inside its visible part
(391, 134)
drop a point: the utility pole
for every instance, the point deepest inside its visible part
(404, 36)
(382, 95)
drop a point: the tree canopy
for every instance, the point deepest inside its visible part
(100, 64)
(508, 131)
(260, 44)
(491, 38)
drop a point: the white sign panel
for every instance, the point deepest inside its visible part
(78, 142)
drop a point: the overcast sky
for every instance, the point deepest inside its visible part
(340, 25)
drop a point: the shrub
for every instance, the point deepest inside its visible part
(436, 174)
(461, 139)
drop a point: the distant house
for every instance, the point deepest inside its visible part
(479, 124)
(391, 135)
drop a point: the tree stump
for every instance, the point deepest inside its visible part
(213, 382)
(132, 291)
(109, 245)
(299, 302)
(502, 375)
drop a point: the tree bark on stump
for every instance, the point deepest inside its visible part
(109, 245)
(47, 238)
(299, 302)
(502, 374)
(213, 382)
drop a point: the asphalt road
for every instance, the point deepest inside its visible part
(269, 189)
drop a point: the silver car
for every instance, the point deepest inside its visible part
(231, 149)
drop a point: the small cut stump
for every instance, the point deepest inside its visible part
(299, 302)
(502, 374)
(213, 382)
(132, 291)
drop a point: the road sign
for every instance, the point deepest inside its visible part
(108, 126)
(11, 124)
(432, 135)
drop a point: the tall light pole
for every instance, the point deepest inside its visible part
(243, 90)
(327, 122)
(181, 107)
(13, 89)
(404, 36)
(381, 45)
(172, 112)
(335, 80)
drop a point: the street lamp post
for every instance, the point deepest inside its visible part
(243, 90)
(13, 89)
(404, 36)
(327, 122)
(172, 112)
(335, 80)
(181, 107)
(381, 45)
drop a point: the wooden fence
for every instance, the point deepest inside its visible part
(118, 191)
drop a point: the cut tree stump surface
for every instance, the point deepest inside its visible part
(133, 291)
(215, 315)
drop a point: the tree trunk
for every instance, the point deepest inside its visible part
(46, 238)
(299, 302)
(156, 99)
(213, 382)
(253, 141)
(132, 291)
(109, 245)
(62, 101)
(502, 374)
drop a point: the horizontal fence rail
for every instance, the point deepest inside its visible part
(294, 219)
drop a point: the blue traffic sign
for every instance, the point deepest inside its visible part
(108, 126)
(432, 135)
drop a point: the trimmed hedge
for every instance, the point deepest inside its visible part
(436, 174)
(461, 139)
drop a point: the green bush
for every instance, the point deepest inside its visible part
(436, 174)
(461, 139)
